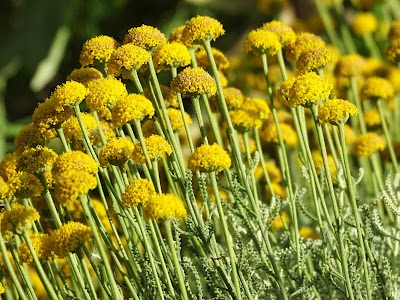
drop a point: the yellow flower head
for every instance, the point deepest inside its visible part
(74, 160)
(244, 120)
(278, 189)
(372, 119)
(73, 132)
(258, 106)
(308, 90)
(2, 289)
(116, 152)
(36, 160)
(97, 50)
(308, 233)
(146, 37)
(234, 98)
(194, 82)
(104, 93)
(367, 144)
(175, 117)
(26, 185)
(71, 184)
(156, 147)
(84, 75)
(68, 94)
(5, 190)
(176, 34)
(273, 171)
(319, 162)
(393, 51)
(336, 111)
(41, 245)
(261, 41)
(349, 134)
(394, 31)
(126, 58)
(350, 65)
(280, 220)
(375, 88)
(222, 78)
(69, 237)
(304, 42)
(131, 107)
(220, 59)
(285, 34)
(315, 59)
(201, 28)
(171, 55)
(364, 23)
(138, 192)
(269, 134)
(28, 137)
(163, 206)
(209, 158)
(283, 92)
(17, 220)
(8, 165)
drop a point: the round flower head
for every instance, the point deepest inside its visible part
(308, 90)
(280, 221)
(209, 158)
(278, 190)
(69, 237)
(171, 55)
(116, 152)
(36, 160)
(126, 58)
(5, 190)
(201, 28)
(350, 65)
(367, 144)
(104, 93)
(372, 119)
(41, 245)
(315, 59)
(364, 23)
(138, 192)
(146, 37)
(73, 133)
(273, 171)
(393, 51)
(375, 88)
(304, 42)
(28, 137)
(156, 147)
(308, 233)
(130, 107)
(26, 185)
(285, 34)
(84, 75)
(8, 165)
(234, 98)
(260, 41)
(269, 134)
(204, 62)
(257, 105)
(244, 120)
(74, 160)
(176, 34)
(194, 82)
(149, 128)
(164, 206)
(17, 220)
(394, 31)
(336, 111)
(175, 117)
(71, 184)
(68, 94)
(97, 50)
(283, 92)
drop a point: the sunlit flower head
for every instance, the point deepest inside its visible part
(280, 221)
(269, 134)
(375, 88)
(138, 191)
(131, 107)
(304, 42)
(364, 23)
(368, 143)
(194, 82)
(26, 185)
(41, 245)
(146, 37)
(201, 28)
(116, 152)
(171, 55)
(69, 237)
(350, 65)
(244, 120)
(36, 160)
(126, 58)
(72, 129)
(285, 34)
(97, 50)
(209, 158)
(336, 111)
(104, 93)
(74, 160)
(68, 94)
(203, 61)
(84, 75)
(176, 119)
(156, 147)
(261, 41)
(164, 206)
(308, 233)
(372, 119)
(283, 92)
(234, 98)
(315, 59)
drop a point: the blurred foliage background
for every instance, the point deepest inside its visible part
(42, 39)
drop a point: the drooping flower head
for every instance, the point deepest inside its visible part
(171, 55)
(368, 143)
(97, 50)
(126, 58)
(364, 23)
(336, 111)
(130, 107)
(304, 42)
(285, 34)
(194, 82)
(146, 37)
(315, 59)
(84, 75)
(261, 41)
(68, 94)
(156, 147)
(116, 152)
(201, 28)
(138, 192)
(164, 206)
(209, 158)
(350, 65)
(375, 88)
(308, 90)
(203, 61)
